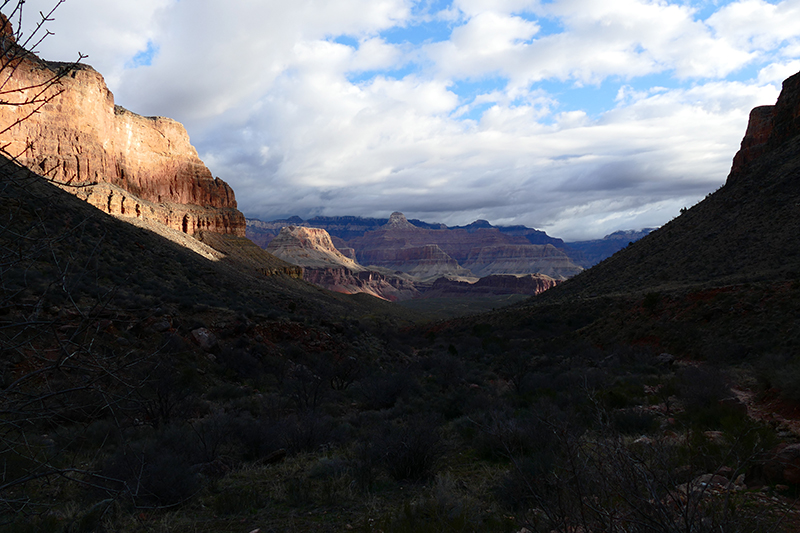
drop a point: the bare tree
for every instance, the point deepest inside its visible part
(18, 48)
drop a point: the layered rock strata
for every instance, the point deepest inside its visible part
(424, 263)
(323, 265)
(60, 121)
(392, 288)
(530, 284)
(309, 248)
(521, 259)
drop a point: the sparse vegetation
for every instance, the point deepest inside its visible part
(144, 388)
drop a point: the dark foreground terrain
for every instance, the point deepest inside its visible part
(146, 388)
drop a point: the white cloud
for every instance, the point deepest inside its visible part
(299, 123)
(777, 72)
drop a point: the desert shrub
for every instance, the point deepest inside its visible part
(503, 436)
(156, 471)
(651, 301)
(701, 387)
(624, 393)
(459, 402)
(308, 431)
(412, 450)
(599, 483)
(445, 369)
(226, 391)
(381, 390)
(443, 508)
(633, 422)
(364, 458)
(240, 500)
(781, 372)
(39, 524)
(257, 437)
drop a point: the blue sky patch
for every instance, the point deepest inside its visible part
(417, 34)
(144, 58)
(467, 90)
(357, 78)
(347, 41)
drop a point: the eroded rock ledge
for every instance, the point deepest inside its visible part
(125, 164)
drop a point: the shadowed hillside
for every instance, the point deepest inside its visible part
(748, 230)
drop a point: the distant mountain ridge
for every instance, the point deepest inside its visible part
(589, 253)
(399, 260)
(349, 227)
(353, 236)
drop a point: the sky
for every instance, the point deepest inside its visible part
(576, 117)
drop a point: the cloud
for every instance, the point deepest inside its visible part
(575, 116)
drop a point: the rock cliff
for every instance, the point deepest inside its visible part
(309, 247)
(392, 288)
(323, 265)
(521, 259)
(427, 251)
(475, 250)
(769, 127)
(127, 165)
(425, 263)
(531, 284)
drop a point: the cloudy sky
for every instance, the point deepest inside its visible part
(578, 117)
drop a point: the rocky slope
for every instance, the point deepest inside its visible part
(488, 249)
(746, 231)
(122, 163)
(521, 259)
(346, 281)
(492, 285)
(323, 265)
(309, 247)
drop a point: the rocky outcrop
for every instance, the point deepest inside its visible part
(399, 233)
(344, 280)
(769, 127)
(62, 123)
(427, 251)
(323, 265)
(754, 143)
(521, 259)
(309, 247)
(424, 263)
(531, 284)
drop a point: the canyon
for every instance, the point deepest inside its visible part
(405, 253)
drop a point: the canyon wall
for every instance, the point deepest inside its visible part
(769, 127)
(127, 165)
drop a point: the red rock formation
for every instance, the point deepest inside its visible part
(309, 247)
(531, 284)
(346, 281)
(521, 259)
(400, 233)
(324, 265)
(426, 262)
(755, 139)
(769, 127)
(123, 163)
(481, 251)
